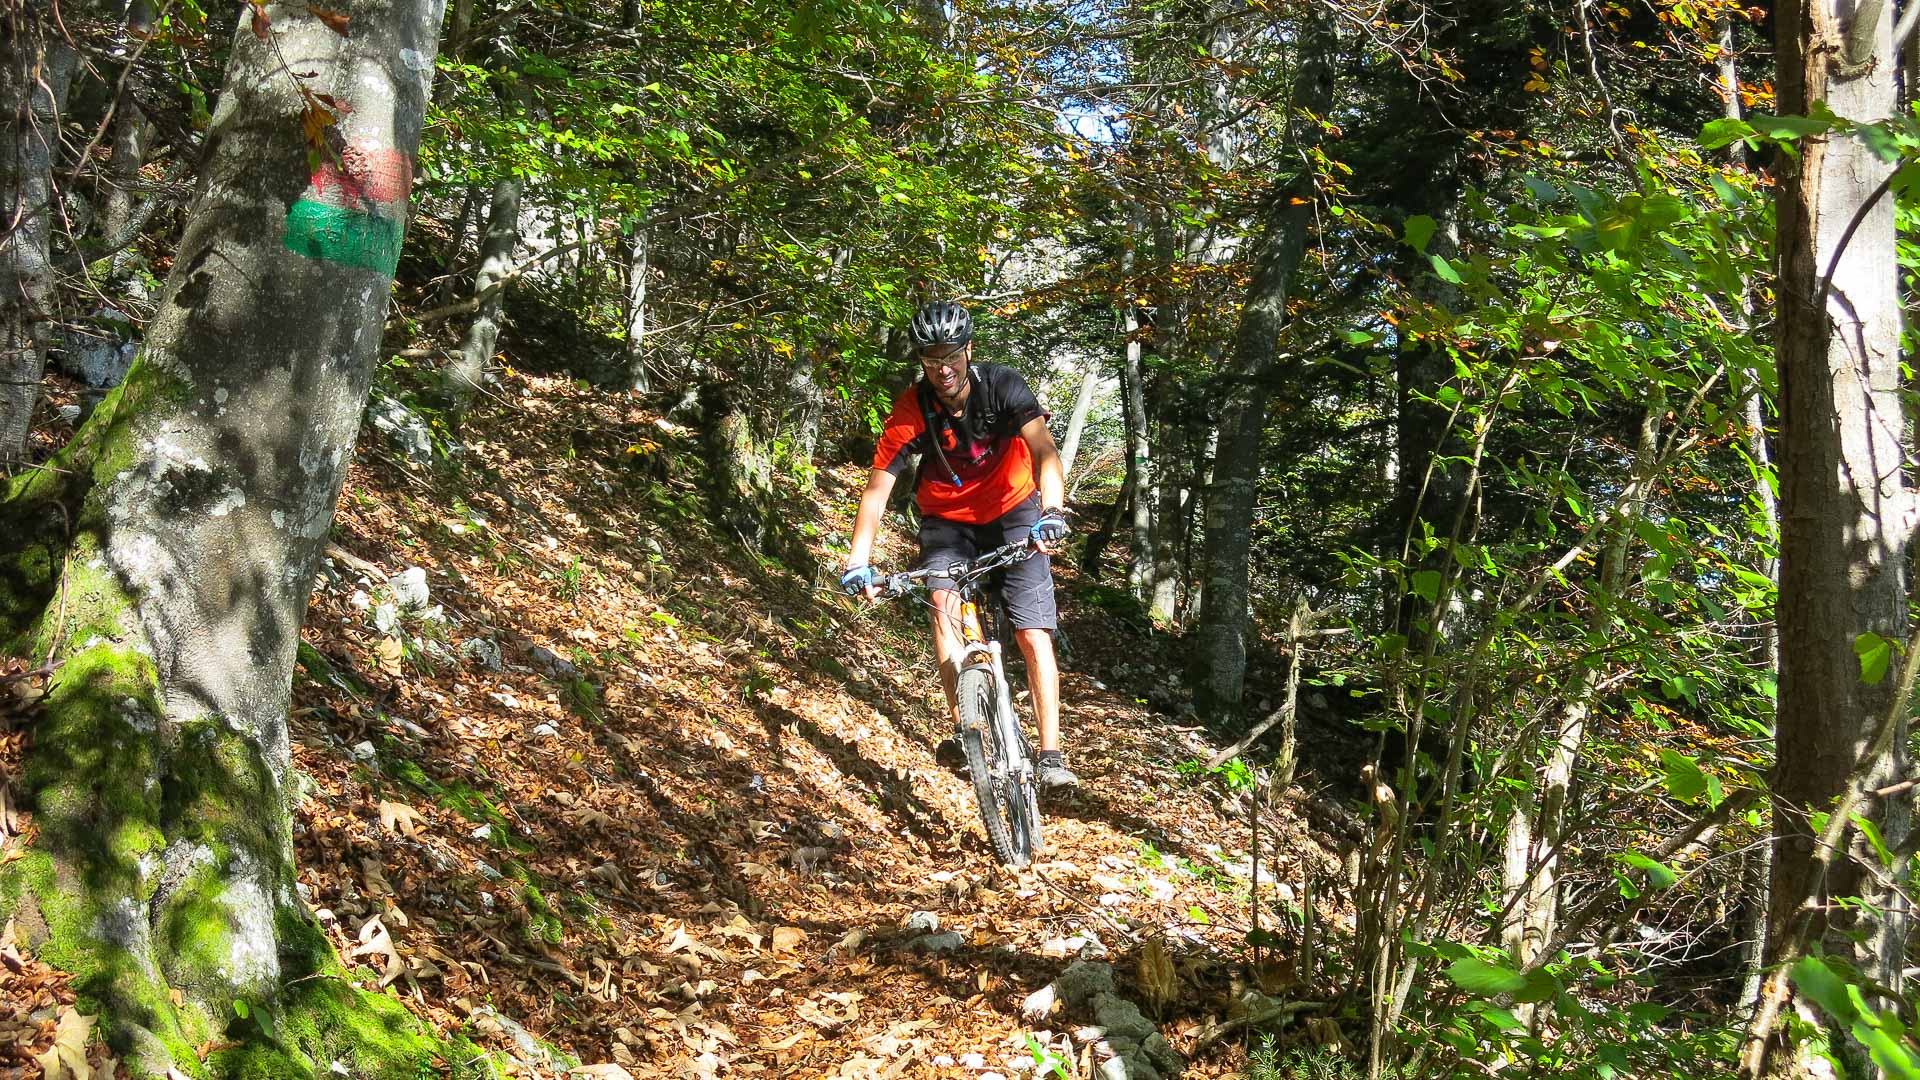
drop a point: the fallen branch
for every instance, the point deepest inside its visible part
(473, 303)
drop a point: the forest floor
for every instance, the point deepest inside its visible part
(671, 805)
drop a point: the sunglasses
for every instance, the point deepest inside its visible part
(949, 360)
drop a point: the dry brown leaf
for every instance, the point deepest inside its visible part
(336, 21)
(262, 26)
(376, 941)
(788, 938)
(1159, 983)
(67, 1057)
(602, 1072)
(377, 884)
(589, 818)
(398, 817)
(389, 651)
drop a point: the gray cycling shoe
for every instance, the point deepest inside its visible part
(1050, 770)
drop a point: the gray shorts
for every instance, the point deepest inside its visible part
(1028, 588)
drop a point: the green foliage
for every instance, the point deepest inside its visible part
(1842, 995)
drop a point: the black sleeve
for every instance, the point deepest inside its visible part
(1018, 406)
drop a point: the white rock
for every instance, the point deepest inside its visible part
(363, 750)
(943, 1061)
(973, 1061)
(483, 650)
(505, 701)
(410, 588)
(924, 922)
(359, 601)
(1039, 1004)
(386, 618)
(1112, 899)
(546, 731)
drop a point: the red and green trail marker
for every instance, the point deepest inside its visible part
(354, 210)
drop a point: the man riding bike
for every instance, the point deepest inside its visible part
(990, 475)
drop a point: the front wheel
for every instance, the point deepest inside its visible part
(1001, 768)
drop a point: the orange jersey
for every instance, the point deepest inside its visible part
(991, 467)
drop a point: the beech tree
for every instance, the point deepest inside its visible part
(1846, 512)
(171, 550)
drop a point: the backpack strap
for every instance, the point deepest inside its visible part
(931, 418)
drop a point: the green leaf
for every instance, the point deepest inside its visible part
(1880, 139)
(1659, 874)
(1540, 986)
(1876, 654)
(240, 1008)
(1420, 230)
(1816, 980)
(1426, 585)
(1685, 780)
(1445, 270)
(1788, 127)
(1479, 977)
(1719, 133)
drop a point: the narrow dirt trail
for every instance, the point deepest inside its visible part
(671, 807)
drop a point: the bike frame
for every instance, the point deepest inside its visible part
(975, 650)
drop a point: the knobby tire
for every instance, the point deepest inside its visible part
(1010, 808)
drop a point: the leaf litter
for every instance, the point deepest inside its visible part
(676, 829)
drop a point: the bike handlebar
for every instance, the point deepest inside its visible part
(906, 581)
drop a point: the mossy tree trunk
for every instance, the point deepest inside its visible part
(174, 573)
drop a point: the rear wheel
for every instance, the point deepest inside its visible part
(1002, 774)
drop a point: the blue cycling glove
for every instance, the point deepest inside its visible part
(1050, 528)
(856, 579)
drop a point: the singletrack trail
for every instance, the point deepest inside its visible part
(671, 805)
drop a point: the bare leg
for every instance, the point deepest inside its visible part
(1043, 678)
(947, 643)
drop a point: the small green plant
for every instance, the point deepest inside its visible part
(1045, 1060)
(1319, 1063)
(571, 581)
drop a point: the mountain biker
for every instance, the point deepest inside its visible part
(989, 475)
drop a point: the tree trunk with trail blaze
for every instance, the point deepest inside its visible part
(164, 567)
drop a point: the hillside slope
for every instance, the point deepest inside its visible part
(596, 772)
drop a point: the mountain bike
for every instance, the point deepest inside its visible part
(999, 758)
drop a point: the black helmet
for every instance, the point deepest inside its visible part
(942, 322)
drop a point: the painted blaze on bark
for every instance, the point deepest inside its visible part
(200, 497)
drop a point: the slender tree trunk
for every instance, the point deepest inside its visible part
(1077, 420)
(638, 269)
(466, 373)
(1756, 866)
(457, 244)
(1845, 511)
(1222, 631)
(35, 68)
(1172, 494)
(200, 497)
(130, 133)
(1431, 478)
(1534, 847)
(1140, 540)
